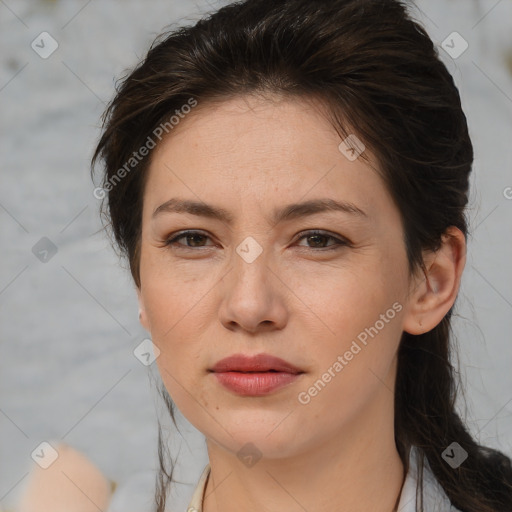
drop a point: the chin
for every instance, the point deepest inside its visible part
(270, 439)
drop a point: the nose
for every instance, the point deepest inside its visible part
(254, 297)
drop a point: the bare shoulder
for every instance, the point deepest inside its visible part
(70, 482)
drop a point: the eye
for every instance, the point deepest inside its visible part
(317, 237)
(195, 238)
(189, 235)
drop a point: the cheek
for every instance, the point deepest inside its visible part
(355, 367)
(337, 304)
(356, 321)
(173, 293)
(181, 363)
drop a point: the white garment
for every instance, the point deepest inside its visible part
(434, 497)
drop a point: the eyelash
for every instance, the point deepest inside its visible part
(340, 242)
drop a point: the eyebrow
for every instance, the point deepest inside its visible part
(286, 213)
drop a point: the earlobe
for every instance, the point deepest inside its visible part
(142, 312)
(434, 293)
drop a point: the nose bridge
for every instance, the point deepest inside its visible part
(250, 296)
(251, 264)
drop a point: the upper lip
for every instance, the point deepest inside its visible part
(257, 363)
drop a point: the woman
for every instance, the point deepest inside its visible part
(288, 180)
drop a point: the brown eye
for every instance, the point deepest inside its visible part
(319, 238)
(194, 237)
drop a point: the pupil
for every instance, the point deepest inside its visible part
(194, 236)
(317, 237)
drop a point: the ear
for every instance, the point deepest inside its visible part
(143, 318)
(433, 293)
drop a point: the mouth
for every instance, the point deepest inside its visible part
(255, 375)
(261, 363)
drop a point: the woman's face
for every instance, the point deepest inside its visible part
(332, 307)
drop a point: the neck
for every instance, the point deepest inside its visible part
(357, 470)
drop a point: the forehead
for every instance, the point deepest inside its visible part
(259, 149)
(253, 127)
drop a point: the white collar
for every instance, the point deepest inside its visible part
(434, 497)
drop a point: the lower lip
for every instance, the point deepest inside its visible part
(255, 384)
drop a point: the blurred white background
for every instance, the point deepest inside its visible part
(69, 325)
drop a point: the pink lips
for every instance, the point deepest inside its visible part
(255, 375)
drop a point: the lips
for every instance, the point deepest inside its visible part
(255, 376)
(258, 363)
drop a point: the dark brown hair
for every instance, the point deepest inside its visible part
(376, 71)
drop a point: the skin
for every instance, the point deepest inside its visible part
(296, 300)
